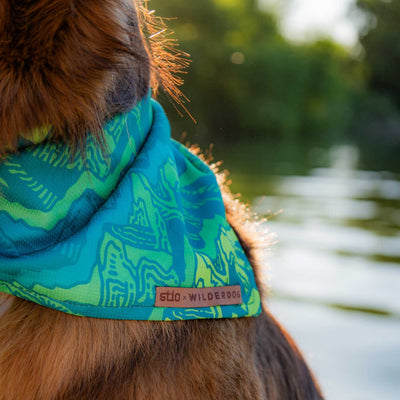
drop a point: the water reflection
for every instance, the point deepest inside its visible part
(335, 273)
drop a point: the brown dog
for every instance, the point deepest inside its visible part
(73, 64)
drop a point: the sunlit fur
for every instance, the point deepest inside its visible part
(72, 64)
(62, 62)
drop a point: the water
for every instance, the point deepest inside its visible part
(335, 272)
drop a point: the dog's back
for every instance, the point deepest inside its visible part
(74, 64)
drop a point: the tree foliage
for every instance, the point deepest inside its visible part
(380, 38)
(246, 80)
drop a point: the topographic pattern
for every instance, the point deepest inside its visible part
(96, 236)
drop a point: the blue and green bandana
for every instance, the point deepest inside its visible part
(121, 233)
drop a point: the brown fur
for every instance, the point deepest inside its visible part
(64, 63)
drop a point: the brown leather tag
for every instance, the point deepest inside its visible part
(173, 297)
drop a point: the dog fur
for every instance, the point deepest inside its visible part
(73, 64)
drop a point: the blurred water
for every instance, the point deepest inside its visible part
(335, 273)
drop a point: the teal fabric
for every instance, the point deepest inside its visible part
(95, 236)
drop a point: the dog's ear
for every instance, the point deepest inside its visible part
(62, 63)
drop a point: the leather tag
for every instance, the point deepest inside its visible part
(173, 297)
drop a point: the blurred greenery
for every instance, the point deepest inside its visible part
(248, 84)
(380, 38)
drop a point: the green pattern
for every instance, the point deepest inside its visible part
(96, 236)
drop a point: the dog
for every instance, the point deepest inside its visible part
(74, 65)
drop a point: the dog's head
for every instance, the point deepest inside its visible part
(68, 64)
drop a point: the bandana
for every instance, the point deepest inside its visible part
(136, 231)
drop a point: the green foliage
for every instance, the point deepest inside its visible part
(376, 122)
(380, 38)
(247, 81)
